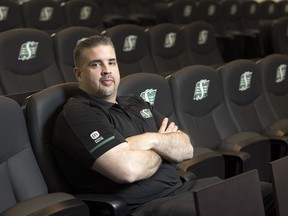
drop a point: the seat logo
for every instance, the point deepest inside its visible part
(202, 38)
(130, 43)
(170, 40)
(85, 13)
(146, 113)
(245, 81)
(46, 14)
(233, 9)
(211, 10)
(28, 50)
(3, 12)
(281, 73)
(201, 89)
(187, 11)
(149, 95)
(252, 9)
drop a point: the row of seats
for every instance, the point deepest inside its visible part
(52, 16)
(35, 60)
(196, 95)
(238, 109)
(31, 183)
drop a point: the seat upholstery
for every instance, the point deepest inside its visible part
(237, 196)
(155, 89)
(43, 15)
(275, 84)
(201, 111)
(132, 48)
(41, 111)
(10, 15)
(30, 63)
(64, 43)
(168, 48)
(83, 13)
(23, 188)
(201, 44)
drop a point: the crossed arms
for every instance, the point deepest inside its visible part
(141, 155)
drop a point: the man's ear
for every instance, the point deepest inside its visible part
(77, 73)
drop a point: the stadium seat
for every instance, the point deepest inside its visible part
(132, 49)
(10, 15)
(41, 111)
(200, 109)
(64, 43)
(23, 188)
(279, 36)
(30, 64)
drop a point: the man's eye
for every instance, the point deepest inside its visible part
(95, 64)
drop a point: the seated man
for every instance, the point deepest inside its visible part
(121, 145)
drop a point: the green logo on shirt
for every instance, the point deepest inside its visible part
(146, 113)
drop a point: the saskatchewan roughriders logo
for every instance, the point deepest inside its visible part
(28, 50)
(149, 95)
(281, 73)
(245, 81)
(201, 89)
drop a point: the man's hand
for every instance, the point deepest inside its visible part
(165, 128)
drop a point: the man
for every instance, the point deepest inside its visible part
(120, 145)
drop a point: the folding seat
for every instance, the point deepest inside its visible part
(168, 48)
(155, 89)
(64, 43)
(247, 105)
(10, 15)
(282, 9)
(238, 196)
(200, 109)
(275, 83)
(201, 44)
(132, 48)
(45, 15)
(23, 188)
(279, 182)
(279, 36)
(83, 13)
(41, 111)
(30, 63)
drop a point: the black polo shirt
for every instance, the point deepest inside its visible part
(88, 127)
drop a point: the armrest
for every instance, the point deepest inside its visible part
(49, 204)
(278, 128)
(186, 176)
(103, 204)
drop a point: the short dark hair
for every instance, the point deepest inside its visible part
(89, 42)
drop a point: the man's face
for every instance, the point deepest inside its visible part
(98, 74)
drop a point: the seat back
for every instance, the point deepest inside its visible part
(182, 12)
(132, 48)
(21, 178)
(202, 44)
(30, 64)
(167, 45)
(275, 84)
(199, 105)
(10, 15)
(153, 88)
(237, 196)
(83, 13)
(244, 98)
(41, 111)
(279, 182)
(64, 43)
(43, 15)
